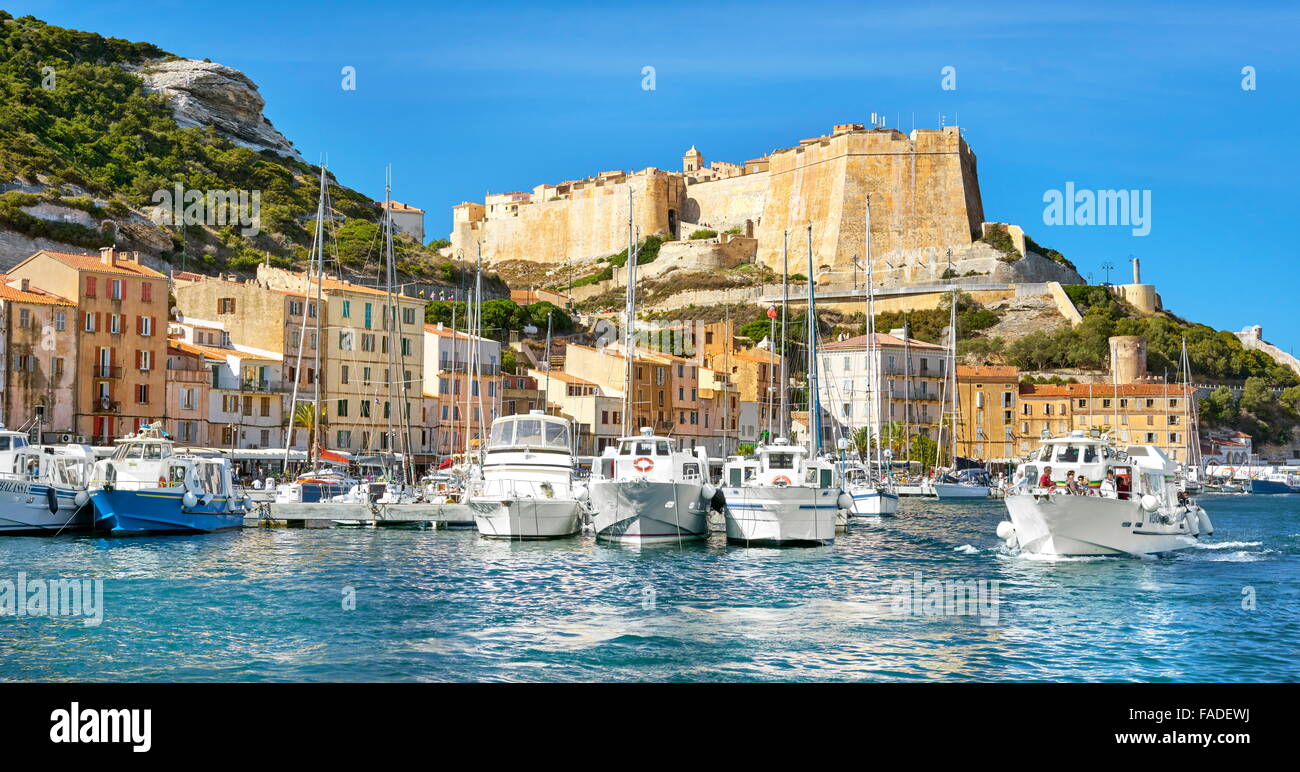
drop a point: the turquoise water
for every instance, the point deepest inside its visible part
(269, 605)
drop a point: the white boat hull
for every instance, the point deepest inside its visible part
(526, 518)
(649, 511)
(766, 515)
(873, 501)
(960, 491)
(40, 508)
(1061, 524)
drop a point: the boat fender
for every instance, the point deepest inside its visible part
(1150, 503)
(845, 501)
(1193, 522)
(81, 498)
(717, 501)
(1204, 518)
(52, 500)
(189, 500)
(1006, 530)
(708, 491)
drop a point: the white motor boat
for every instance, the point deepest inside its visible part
(781, 497)
(43, 488)
(1141, 513)
(644, 490)
(527, 489)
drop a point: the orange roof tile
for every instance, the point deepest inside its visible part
(988, 371)
(92, 263)
(1102, 390)
(882, 339)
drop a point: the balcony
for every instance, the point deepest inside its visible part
(265, 386)
(106, 371)
(189, 375)
(105, 405)
(462, 367)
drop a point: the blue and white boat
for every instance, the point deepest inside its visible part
(43, 487)
(781, 496)
(147, 487)
(1275, 483)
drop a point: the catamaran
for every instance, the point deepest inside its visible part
(146, 486)
(43, 487)
(527, 489)
(1137, 510)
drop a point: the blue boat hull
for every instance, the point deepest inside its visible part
(125, 513)
(1269, 486)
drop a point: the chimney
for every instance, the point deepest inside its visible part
(26, 286)
(1137, 272)
(108, 255)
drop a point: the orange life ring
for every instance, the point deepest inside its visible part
(643, 464)
(781, 481)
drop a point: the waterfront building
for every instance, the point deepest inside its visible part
(910, 393)
(122, 341)
(986, 412)
(451, 392)
(38, 361)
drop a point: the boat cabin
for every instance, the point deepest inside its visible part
(780, 464)
(648, 456)
(535, 431)
(1139, 469)
(10, 443)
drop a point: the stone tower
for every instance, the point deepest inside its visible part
(1128, 358)
(693, 161)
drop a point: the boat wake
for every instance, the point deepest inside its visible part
(1227, 545)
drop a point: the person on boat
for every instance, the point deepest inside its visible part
(1085, 487)
(1108, 489)
(1045, 480)
(1071, 484)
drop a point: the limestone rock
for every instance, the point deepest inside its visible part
(211, 94)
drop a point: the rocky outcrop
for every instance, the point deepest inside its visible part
(210, 94)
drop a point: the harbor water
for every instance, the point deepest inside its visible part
(387, 604)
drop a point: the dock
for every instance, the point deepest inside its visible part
(317, 515)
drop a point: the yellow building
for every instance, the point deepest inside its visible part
(1139, 413)
(38, 376)
(986, 411)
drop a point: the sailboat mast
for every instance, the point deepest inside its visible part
(320, 279)
(952, 370)
(785, 304)
(476, 389)
(546, 408)
(814, 399)
(629, 318)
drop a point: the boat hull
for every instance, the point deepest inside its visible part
(1270, 486)
(526, 518)
(789, 516)
(649, 512)
(37, 508)
(1066, 525)
(160, 510)
(960, 491)
(873, 501)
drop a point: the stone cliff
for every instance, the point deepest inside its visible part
(211, 94)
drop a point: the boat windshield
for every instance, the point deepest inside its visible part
(780, 461)
(644, 448)
(529, 432)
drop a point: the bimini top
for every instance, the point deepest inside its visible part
(530, 431)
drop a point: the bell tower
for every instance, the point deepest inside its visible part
(693, 161)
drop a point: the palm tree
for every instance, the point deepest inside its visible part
(304, 415)
(862, 440)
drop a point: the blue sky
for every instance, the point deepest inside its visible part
(464, 99)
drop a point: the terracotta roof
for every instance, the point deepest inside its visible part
(206, 351)
(447, 332)
(92, 263)
(560, 375)
(1102, 390)
(398, 206)
(988, 371)
(31, 295)
(860, 342)
(752, 355)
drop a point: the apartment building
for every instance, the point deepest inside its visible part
(1140, 413)
(38, 360)
(912, 375)
(986, 412)
(122, 318)
(452, 394)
